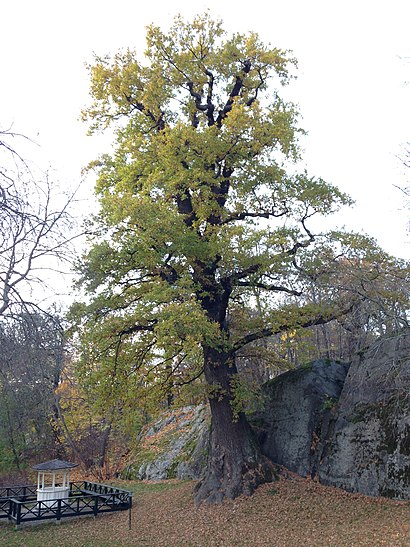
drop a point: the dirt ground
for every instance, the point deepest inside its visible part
(292, 512)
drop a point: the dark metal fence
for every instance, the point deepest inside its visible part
(19, 503)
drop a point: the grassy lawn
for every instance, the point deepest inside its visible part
(288, 513)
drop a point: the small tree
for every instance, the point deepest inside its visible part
(201, 214)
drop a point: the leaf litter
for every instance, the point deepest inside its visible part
(292, 512)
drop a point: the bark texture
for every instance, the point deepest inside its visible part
(235, 463)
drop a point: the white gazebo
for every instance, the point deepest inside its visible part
(53, 480)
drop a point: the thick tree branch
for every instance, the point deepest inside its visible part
(268, 287)
(138, 328)
(300, 321)
(185, 208)
(234, 278)
(249, 214)
(159, 122)
(209, 98)
(302, 244)
(252, 99)
(208, 108)
(235, 92)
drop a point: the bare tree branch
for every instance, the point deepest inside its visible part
(35, 228)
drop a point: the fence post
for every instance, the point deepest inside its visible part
(129, 510)
(18, 514)
(58, 510)
(10, 510)
(95, 506)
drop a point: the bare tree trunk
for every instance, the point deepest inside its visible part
(59, 419)
(12, 441)
(325, 333)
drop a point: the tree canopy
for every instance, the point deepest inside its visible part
(203, 213)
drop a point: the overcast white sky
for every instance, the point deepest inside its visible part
(353, 87)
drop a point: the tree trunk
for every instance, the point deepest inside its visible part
(235, 463)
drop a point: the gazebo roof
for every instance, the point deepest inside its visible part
(54, 465)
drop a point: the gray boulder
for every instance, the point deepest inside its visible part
(368, 450)
(298, 410)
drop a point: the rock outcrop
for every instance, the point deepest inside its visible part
(368, 450)
(346, 426)
(176, 446)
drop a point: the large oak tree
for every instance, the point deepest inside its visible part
(202, 211)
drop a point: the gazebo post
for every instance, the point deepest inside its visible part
(67, 478)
